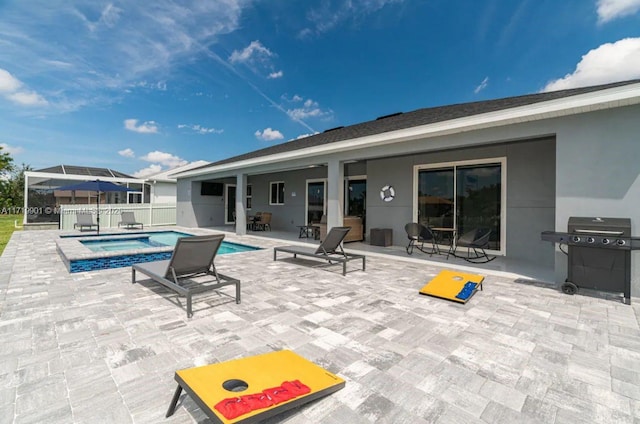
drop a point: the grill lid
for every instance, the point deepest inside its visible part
(598, 225)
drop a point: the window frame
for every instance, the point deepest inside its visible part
(278, 202)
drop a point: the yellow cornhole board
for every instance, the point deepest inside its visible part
(205, 384)
(447, 284)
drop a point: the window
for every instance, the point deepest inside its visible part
(249, 196)
(463, 195)
(134, 196)
(277, 193)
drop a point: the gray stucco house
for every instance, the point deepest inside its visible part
(519, 165)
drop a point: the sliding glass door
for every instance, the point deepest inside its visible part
(316, 195)
(464, 196)
(356, 197)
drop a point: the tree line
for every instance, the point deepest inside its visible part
(11, 181)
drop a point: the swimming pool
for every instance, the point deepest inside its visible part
(117, 250)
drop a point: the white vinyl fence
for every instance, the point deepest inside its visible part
(148, 214)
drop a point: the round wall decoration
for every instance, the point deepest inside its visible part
(387, 193)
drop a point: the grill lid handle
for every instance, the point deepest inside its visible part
(608, 232)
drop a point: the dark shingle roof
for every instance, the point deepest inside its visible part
(84, 170)
(398, 121)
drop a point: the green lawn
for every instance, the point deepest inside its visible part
(7, 227)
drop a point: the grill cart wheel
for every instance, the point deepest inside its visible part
(569, 288)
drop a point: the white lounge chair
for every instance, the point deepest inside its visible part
(84, 220)
(128, 220)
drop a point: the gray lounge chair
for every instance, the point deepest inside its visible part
(128, 220)
(192, 259)
(84, 220)
(329, 250)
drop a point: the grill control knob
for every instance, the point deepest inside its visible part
(621, 242)
(590, 239)
(576, 239)
(606, 241)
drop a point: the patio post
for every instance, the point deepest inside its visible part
(241, 196)
(335, 193)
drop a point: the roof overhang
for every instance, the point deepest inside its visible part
(616, 97)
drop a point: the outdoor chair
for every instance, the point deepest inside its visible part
(475, 241)
(128, 220)
(84, 220)
(263, 222)
(251, 221)
(190, 264)
(420, 234)
(329, 250)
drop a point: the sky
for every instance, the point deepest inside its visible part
(142, 87)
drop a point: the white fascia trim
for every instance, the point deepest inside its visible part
(589, 102)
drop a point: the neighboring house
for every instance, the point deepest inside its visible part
(43, 199)
(163, 184)
(519, 165)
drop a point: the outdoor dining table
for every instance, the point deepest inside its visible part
(441, 232)
(309, 230)
(251, 221)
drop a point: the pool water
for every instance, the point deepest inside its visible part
(107, 246)
(229, 247)
(145, 241)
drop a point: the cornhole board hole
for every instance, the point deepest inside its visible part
(448, 284)
(214, 384)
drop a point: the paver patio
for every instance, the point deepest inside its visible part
(92, 347)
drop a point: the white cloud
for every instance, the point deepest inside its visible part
(306, 135)
(11, 149)
(609, 10)
(332, 13)
(121, 43)
(157, 85)
(163, 158)
(269, 134)
(27, 98)
(258, 59)
(309, 109)
(148, 127)
(609, 62)
(149, 170)
(8, 83)
(9, 87)
(482, 85)
(201, 130)
(254, 51)
(127, 153)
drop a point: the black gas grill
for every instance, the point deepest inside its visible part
(599, 254)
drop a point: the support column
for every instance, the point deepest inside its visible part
(335, 193)
(241, 208)
(25, 199)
